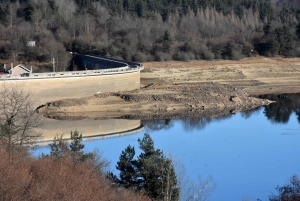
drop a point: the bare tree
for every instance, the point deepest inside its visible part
(66, 9)
(18, 120)
(191, 191)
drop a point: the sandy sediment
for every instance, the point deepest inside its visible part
(156, 102)
(185, 89)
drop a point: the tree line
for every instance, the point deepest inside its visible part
(143, 30)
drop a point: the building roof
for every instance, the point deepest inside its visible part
(20, 66)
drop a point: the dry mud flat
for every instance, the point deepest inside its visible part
(156, 101)
(186, 89)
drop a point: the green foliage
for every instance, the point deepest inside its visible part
(231, 51)
(298, 30)
(167, 42)
(277, 40)
(127, 167)
(29, 11)
(76, 146)
(151, 172)
(58, 148)
(157, 171)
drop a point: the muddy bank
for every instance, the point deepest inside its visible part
(182, 89)
(157, 101)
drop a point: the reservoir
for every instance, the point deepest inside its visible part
(248, 154)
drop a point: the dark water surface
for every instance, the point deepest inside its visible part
(247, 154)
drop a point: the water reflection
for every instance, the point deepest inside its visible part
(248, 113)
(191, 124)
(158, 124)
(278, 112)
(199, 123)
(188, 124)
(91, 129)
(254, 154)
(281, 110)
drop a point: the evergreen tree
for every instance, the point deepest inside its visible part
(76, 146)
(159, 178)
(28, 11)
(127, 168)
(58, 148)
(140, 9)
(298, 30)
(167, 42)
(151, 172)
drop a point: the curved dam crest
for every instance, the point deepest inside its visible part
(101, 75)
(93, 74)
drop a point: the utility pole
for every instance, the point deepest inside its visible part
(53, 64)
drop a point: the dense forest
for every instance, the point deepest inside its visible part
(148, 30)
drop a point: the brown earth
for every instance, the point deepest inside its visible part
(183, 89)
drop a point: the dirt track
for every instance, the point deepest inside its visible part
(196, 88)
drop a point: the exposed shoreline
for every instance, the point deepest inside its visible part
(184, 89)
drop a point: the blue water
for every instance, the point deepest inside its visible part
(247, 155)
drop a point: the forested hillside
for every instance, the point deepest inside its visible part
(148, 30)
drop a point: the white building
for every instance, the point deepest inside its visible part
(31, 43)
(19, 70)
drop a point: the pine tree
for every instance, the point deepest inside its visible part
(298, 30)
(29, 10)
(127, 168)
(159, 178)
(58, 148)
(76, 146)
(151, 172)
(167, 42)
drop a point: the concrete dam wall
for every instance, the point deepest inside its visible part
(45, 87)
(45, 90)
(93, 74)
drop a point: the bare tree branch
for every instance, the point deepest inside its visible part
(191, 191)
(18, 120)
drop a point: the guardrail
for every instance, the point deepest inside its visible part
(125, 63)
(111, 71)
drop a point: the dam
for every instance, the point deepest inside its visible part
(92, 75)
(87, 75)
